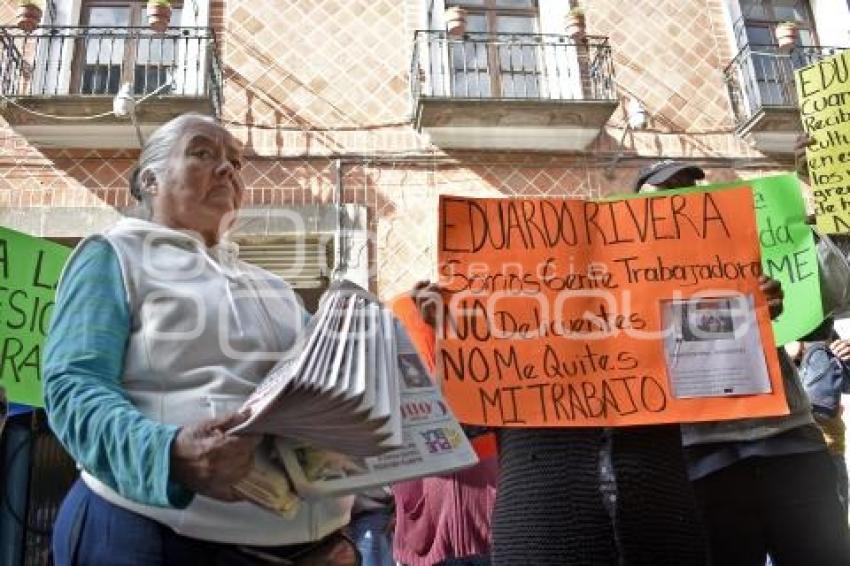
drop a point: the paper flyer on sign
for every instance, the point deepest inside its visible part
(715, 349)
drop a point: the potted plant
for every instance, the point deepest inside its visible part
(456, 21)
(574, 23)
(786, 35)
(159, 14)
(29, 14)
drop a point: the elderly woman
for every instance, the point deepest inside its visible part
(159, 334)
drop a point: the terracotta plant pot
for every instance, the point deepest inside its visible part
(786, 36)
(159, 16)
(574, 25)
(29, 16)
(456, 21)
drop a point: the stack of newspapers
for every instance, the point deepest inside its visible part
(351, 407)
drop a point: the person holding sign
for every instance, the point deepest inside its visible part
(766, 486)
(443, 520)
(158, 334)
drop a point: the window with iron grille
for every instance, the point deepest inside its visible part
(304, 261)
(509, 66)
(759, 19)
(103, 60)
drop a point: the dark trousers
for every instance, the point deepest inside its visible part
(90, 531)
(551, 507)
(785, 506)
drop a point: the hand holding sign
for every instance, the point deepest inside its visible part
(773, 294)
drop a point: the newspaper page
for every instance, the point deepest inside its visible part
(713, 347)
(432, 442)
(336, 387)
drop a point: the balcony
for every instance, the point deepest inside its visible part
(760, 80)
(511, 91)
(57, 84)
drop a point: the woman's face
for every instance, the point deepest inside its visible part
(201, 189)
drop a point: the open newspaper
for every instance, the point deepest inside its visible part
(351, 407)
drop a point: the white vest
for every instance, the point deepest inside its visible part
(205, 329)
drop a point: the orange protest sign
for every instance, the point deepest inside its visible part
(565, 312)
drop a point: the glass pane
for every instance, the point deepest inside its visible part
(160, 47)
(775, 79)
(520, 85)
(108, 16)
(471, 84)
(760, 35)
(464, 3)
(806, 37)
(103, 42)
(101, 79)
(469, 55)
(156, 55)
(514, 24)
(754, 10)
(515, 3)
(157, 49)
(788, 10)
(476, 23)
(149, 78)
(471, 76)
(518, 57)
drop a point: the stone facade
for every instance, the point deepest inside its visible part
(309, 81)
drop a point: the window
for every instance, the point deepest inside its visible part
(304, 261)
(117, 47)
(500, 55)
(760, 17)
(772, 72)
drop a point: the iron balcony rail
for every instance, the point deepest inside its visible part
(511, 66)
(96, 61)
(762, 76)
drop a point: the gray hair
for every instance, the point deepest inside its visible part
(157, 149)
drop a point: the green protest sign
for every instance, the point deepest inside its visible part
(788, 252)
(29, 273)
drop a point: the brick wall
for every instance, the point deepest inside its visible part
(310, 80)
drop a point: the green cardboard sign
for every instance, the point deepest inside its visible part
(29, 273)
(788, 251)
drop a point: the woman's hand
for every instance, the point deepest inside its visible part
(841, 349)
(208, 461)
(772, 290)
(801, 164)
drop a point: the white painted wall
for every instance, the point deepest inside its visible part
(832, 21)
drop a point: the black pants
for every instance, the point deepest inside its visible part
(782, 505)
(550, 509)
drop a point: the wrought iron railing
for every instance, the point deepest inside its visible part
(763, 76)
(511, 66)
(96, 61)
